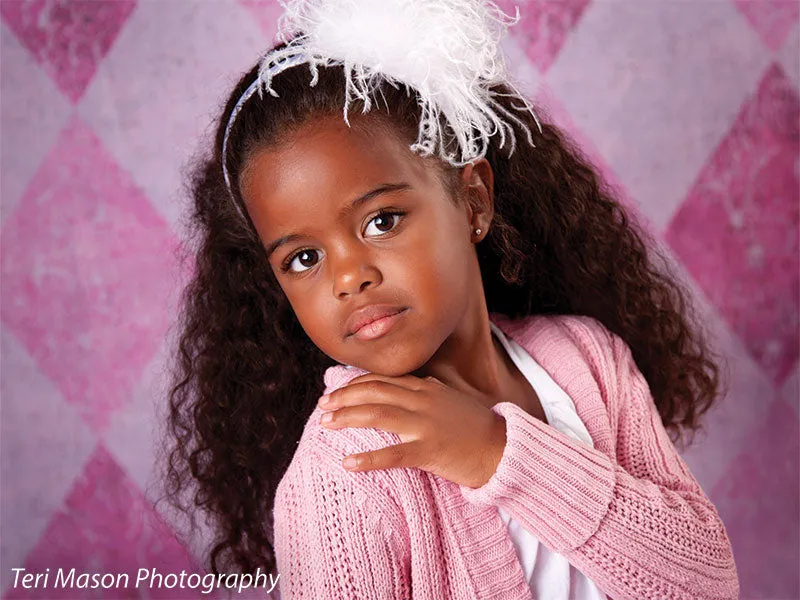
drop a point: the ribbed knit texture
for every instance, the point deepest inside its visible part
(628, 513)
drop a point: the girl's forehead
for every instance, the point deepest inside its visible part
(326, 161)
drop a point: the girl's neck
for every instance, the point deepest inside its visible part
(474, 360)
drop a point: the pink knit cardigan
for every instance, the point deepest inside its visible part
(627, 513)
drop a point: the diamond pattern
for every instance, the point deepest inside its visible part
(84, 270)
(33, 114)
(768, 463)
(772, 19)
(194, 53)
(44, 445)
(68, 38)
(544, 26)
(115, 530)
(656, 107)
(688, 110)
(737, 230)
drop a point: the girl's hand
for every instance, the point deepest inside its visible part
(445, 432)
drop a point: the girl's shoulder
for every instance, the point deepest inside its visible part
(320, 507)
(317, 460)
(569, 346)
(584, 333)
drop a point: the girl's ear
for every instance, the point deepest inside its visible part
(478, 180)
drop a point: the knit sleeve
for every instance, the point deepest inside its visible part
(334, 539)
(637, 524)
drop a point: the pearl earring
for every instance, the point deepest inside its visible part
(477, 232)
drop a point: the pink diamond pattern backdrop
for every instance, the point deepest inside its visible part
(106, 517)
(772, 19)
(68, 38)
(754, 497)
(738, 226)
(544, 26)
(89, 310)
(697, 133)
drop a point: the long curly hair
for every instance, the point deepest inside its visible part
(246, 376)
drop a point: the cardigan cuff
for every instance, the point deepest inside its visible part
(557, 487)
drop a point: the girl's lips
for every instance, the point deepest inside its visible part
(379, 327)
(368, 313)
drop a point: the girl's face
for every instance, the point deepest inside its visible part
(352, 218)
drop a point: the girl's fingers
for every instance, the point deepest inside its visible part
(395, 456)
(379, 416)
(407, 381)
(381, 390)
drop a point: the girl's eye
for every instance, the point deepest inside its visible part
(302, 257)
(385, 222)
(388, 221)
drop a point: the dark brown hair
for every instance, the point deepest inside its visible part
(247, 377)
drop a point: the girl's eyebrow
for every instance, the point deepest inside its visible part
(381, 189)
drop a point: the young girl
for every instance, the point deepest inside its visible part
(470, 318)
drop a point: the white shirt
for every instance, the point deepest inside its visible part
(549, 574)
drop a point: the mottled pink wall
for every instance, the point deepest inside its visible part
(690, 109)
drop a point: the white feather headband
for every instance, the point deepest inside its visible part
(447, 50)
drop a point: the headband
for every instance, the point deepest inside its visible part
(447, 50)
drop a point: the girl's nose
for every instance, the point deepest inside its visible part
(353, 272)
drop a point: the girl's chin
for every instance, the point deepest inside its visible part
(388, 367)
(388, 371)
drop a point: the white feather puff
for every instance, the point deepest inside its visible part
(447, 50)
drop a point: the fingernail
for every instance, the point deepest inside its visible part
(326, 418)
(324, 399)
(350, 462)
